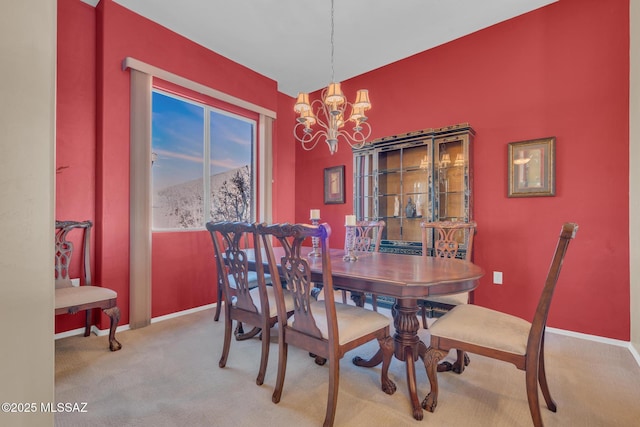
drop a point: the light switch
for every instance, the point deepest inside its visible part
(497, 277)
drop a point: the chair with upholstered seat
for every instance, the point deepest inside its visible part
(479, 330)
(324, 328)
(446, 239)
(87, 296)
(245, 303)
(368, 235)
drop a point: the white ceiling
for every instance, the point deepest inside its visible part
(289, 41)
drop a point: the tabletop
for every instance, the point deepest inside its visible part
(398, 275)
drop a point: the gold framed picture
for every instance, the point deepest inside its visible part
(532, 168)
(334, 185)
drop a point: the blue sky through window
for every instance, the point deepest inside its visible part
(231, 142)
(179, 131)
(178, 136)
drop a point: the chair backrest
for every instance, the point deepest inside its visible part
(230, 242)
(539, 323)
(296, 273)
(64, 252)
(448, 238)
(368, 236)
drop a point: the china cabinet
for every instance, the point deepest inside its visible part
(418, 176)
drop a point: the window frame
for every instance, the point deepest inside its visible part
(209, 106)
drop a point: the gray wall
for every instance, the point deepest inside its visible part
(27, 180)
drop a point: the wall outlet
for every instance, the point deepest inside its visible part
(497, 277)
(75, 282)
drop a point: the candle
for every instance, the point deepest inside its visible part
(350, 220)
(315, 214)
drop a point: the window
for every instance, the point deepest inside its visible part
(187, 191)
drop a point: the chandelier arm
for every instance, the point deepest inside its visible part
(323, 115)
(308, 140)
(358, 138)
(321, 108)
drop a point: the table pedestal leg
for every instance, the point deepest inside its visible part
(407, 345)
(374, 361)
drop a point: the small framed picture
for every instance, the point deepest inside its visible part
(334, 185)
(532, 169)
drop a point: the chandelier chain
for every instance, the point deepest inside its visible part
(332, 70)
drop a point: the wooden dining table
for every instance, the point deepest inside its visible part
(407, 278)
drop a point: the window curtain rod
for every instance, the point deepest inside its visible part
(143, 67)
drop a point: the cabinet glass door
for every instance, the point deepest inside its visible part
(390, 192)
(416, 199)
(453, 186)
(364, 186)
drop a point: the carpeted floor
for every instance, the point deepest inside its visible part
(167, 374)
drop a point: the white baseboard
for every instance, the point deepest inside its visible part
(635, 353)
(94, 330)
(182, 313)
(102, 332)
(71, 333)
(610, 341)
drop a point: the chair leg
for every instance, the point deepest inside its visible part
(87, 322)
(531, 376)
(219, 304)
(432, 359)
(374, 302)
(542, 379)
(114, 318)
(282, 367)
(264, 357)
(332, 398)
(359, 298)
(458, 366)
(227, 339)
(241, 335)
(461, 362)
(423, 308)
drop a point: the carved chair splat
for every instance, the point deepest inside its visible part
(448, 237)
(368, 235)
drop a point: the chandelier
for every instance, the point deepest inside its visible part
(330, 115)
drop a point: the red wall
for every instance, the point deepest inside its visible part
(93, 141)
(284, 163)
(561, 71)
(75, 125)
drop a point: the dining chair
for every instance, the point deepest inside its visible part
(245, 303)
(87, 295)
(368, 235)
(325, 328)
(445, 239)
(500, 336)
